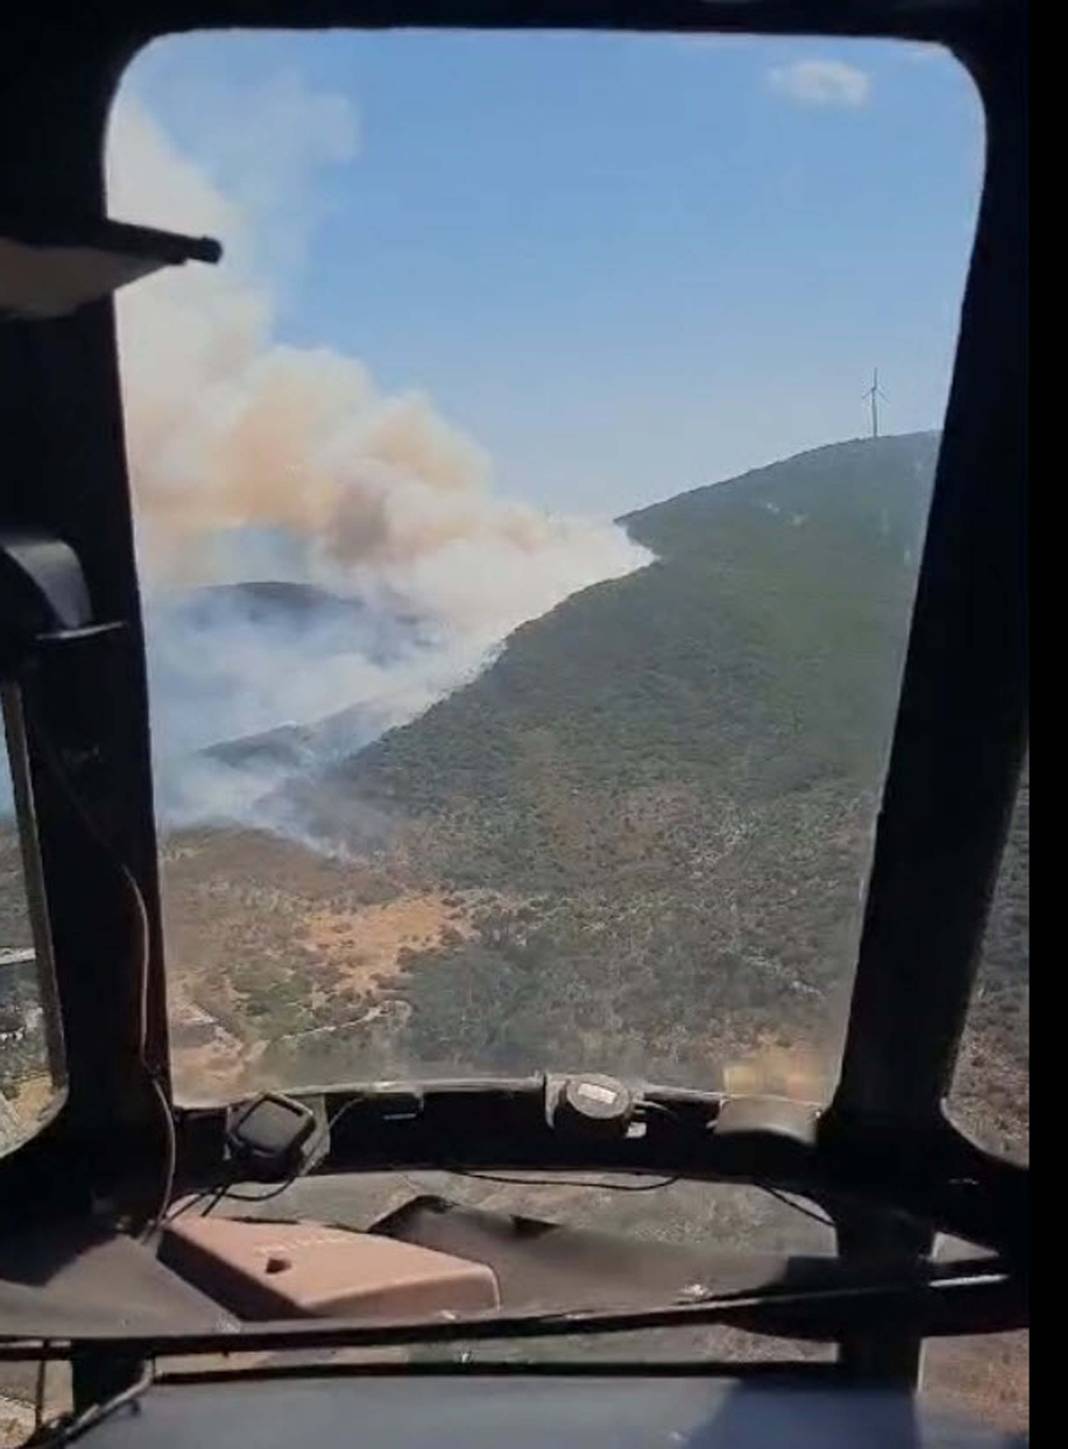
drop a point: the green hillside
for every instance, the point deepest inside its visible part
(669, 781)
(759, 653)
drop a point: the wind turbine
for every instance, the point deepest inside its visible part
(875, 393)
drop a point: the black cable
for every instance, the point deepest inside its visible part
(561, 1181)
(508, 1181)
(135, 894)
(185, 1205)
(226, 1191)
(213, 1200)
(231, 1196)
(65, 1431)
(646, 1104)
(798, 1207)
(774, 1192)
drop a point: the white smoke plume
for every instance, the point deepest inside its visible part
(252, 460)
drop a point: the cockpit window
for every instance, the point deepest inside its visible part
(32, 1074)
(990, 1093)
(529, 512)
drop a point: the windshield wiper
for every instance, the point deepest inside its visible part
(972, 1296)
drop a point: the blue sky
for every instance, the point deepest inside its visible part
(626, 265)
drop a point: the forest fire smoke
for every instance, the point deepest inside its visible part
(253, 459)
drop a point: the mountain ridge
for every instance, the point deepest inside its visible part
(665, 607)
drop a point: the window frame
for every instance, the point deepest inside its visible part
(962, 716)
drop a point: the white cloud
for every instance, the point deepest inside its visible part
(821, 83)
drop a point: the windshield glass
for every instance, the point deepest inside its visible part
(991, 1087)
(33, 1078)
(529, 512)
